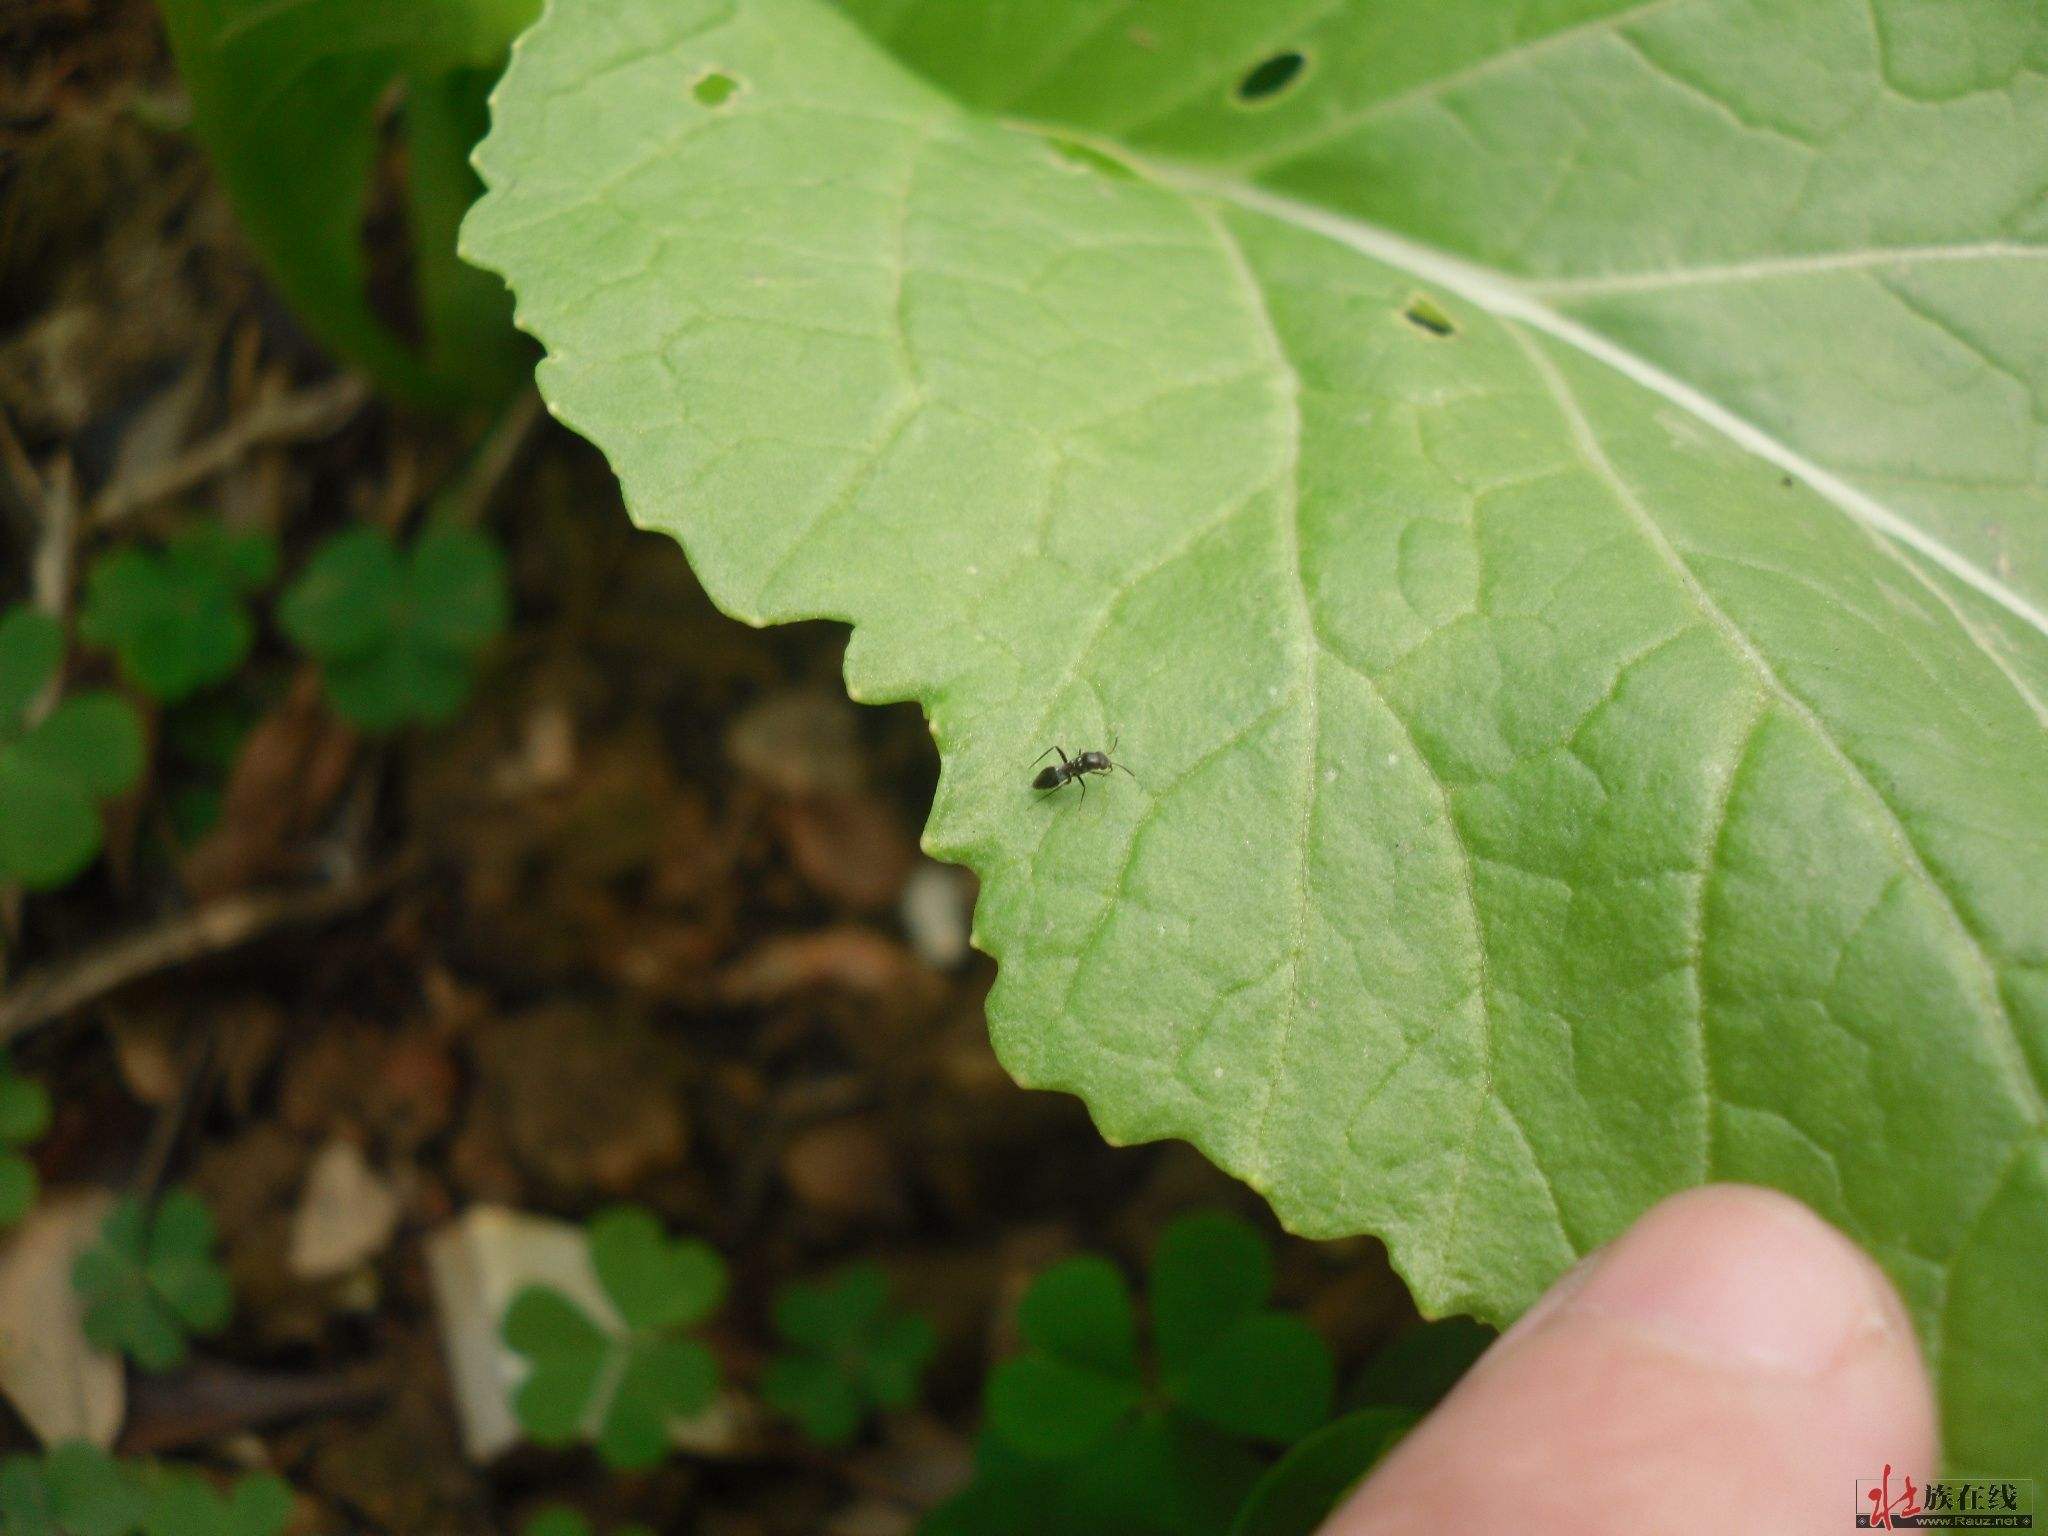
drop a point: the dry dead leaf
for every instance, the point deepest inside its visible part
(62, 1387)
(345, 1216)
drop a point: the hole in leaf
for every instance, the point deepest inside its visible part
(1269, 77)
(1088, 158)
(714, 89)
(1424, 314)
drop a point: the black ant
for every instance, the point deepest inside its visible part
(1069, 769)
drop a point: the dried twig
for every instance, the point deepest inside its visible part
(171, 1120)
(210, 1401)
(212, 929)
(307, 413)
(496, 457)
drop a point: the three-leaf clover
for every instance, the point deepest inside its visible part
(74, 1489)
(850, 1354)
(152, 1279)
(186, 1504)
(177, 618)
(395, 631)
(54, 773)
(24, 1116)
(1081, 1438)
(624, 1384)
(561, 1520)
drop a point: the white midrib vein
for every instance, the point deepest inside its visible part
(1507, 300)
(2007, 1041)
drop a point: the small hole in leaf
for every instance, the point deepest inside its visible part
(1088, 158)
(1424, 314)
(714, 89)
(1269, 77)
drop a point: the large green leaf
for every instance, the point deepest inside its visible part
(288, 97)
(1551, 498)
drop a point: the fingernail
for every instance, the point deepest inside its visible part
(1740, 1276)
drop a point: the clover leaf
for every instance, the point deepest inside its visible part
(620, 1383)
(396, 630)
(850, 1353)
(24, 1116)
(560, 1520)
(1083, 1437)
(53, 772)
(152, 1279)
(73, 1489)
(1300, 1490)
(186, 1504)
(1416, 1368)
(177, 619)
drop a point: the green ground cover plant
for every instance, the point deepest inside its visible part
(153, 1280)
(621, 1387)
(56, 764)
(24, 1116)
(847, 1353)
(177, 617)
(1551, 502)
(75, 1489)
(396, 629)
(1089, 1430)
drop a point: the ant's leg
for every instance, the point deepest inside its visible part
(1048, 752)
(1082, 780)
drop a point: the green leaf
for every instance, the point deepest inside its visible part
(1299, 1492)
(1048, 1407)
(185, 1504)
(299, 164)
(655, 1283)
(24, 1499)
(663, 1380)
(24, 1117)
(18, 1187)
(24, 1106)
(622, 1387)
(1269, 1378)
(346, 603)
(851, 1353)
(556, 1520)
(176, 619)
(93, 1494)
(568, 1354)
(825, 1401)
(31, 648)
(827, 1314)
(182, 1271)
(1210, 1272)
(898, 1352)
(1080, 1311)
(395, 632)
(1540, 804)
(49, 830)
(152, 1279)
(88, 747)
(1418, 1367)
(457, 587)
(94, 740)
